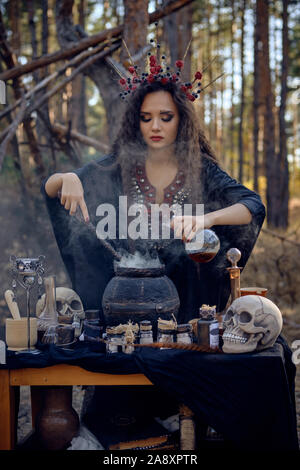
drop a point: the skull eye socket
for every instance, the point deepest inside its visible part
(245, 317)
(229, 315)
(75, 305)
(59, 305)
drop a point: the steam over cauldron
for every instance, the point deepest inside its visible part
(140, 290)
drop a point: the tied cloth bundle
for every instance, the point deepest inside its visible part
(207, 312)
(129, 330)
(167, 324)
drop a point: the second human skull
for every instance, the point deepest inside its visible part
(251, 323)
(68, 305)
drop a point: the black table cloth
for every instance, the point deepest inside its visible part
(249, 398)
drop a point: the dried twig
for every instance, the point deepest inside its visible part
(92, 229)
(12, 128)
(83, 139)
(80, 68)
(184, 347)
(43, 83)
(280, 237)
(290, 323)
(38, 104)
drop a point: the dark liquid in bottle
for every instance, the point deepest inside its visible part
(201, 257)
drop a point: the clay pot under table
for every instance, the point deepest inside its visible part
(57, 422)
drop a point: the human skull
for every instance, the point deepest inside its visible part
(68, 305)
(251, 323)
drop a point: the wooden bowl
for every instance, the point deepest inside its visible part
(254, 291)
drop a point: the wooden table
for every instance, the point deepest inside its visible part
(61, 374)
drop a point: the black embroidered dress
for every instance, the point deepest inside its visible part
(90, 265)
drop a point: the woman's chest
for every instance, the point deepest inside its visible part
(161, 187)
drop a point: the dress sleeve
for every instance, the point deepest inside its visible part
(88, 264)
(221, 187)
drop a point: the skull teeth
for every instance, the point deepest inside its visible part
(234, 338)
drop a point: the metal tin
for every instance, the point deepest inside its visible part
(92, 330)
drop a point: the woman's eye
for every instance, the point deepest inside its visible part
(167, 119)
(145, 119)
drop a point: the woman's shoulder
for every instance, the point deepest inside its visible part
(106, 160)
(209, 165)
(106, 164)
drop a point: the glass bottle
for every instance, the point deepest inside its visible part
(203, 247)
(48, 319)
(208, 327)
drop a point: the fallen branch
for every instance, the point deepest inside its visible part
(38, 104)
(273, 234)
(42, 84)
(71, 77)
(83, 139)
(290, 323)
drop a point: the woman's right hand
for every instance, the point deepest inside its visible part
(71, 195)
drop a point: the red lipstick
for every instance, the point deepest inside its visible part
(156, 138)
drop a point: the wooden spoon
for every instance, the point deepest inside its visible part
(12, 304)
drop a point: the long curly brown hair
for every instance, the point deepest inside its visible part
(191, 144)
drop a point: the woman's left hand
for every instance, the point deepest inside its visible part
(187, 226)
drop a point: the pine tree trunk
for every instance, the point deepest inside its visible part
(78, 99)
(136, 22)
(271, 160)
(282, 220)
(13, 13)
(178, 27)
(242, 98)
(258, 90)
(232, 108)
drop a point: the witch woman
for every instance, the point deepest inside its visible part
(160, 156)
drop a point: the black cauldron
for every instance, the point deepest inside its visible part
(138, 294)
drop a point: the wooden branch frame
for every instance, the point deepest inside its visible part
(85, 43)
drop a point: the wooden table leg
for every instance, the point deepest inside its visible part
(187, 428)
(36, 394)
(7, 412)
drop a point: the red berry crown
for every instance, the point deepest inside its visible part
(161, 73)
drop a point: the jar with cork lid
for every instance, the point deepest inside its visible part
(146, 333)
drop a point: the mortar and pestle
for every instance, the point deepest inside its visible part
(16, 335)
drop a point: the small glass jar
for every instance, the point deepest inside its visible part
(165, 335)
(185, 333)
(208, 333)
(127, 348)
(146, 333)
(114, 341)
(214, 335)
